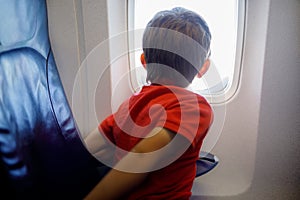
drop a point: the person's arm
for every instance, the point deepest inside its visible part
(118, 183)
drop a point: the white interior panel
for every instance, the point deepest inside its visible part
(77, 30)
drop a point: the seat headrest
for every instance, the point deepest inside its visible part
(24, 24)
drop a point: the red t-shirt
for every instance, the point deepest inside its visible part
(174, 108)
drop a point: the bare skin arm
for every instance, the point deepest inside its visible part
(118, 183)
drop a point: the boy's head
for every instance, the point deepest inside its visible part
(176, 44)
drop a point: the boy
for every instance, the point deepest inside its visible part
(156, 135)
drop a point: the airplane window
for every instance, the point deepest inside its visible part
(225, 19)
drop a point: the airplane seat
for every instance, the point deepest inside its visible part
(206, 163)
(41, 153)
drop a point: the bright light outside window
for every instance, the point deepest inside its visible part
(222, 19)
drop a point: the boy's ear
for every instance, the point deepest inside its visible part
(204, 68)
(143, 61)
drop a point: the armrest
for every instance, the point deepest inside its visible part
(206, 163)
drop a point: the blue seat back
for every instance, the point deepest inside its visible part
(41, 154)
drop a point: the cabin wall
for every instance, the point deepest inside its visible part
(277, 172)
(277, 163)
(76, 29)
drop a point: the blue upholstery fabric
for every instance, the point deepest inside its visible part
(41, 154)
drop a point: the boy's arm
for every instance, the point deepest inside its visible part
(117, 183)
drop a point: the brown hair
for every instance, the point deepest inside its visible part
(176, 43)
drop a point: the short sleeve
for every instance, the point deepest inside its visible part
(189, 117)
(106, 128)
